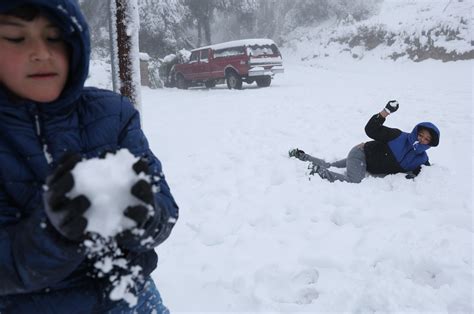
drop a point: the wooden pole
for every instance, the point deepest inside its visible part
(125, 49)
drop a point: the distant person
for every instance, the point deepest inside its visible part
(48, 123)
(391, 151)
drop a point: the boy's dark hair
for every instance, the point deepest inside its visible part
(25, 12)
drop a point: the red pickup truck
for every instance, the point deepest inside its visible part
(233, 62)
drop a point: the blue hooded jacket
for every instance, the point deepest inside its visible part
(40, 271)
(409, 153)
(394, 151)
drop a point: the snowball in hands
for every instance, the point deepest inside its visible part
(107, 184)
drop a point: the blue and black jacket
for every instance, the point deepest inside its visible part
(394, 151)
(40, 271)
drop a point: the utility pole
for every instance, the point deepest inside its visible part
(125, 52)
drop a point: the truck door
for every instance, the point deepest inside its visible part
(192, 69)
(204, 66)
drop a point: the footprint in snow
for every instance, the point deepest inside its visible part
(304, 282)
(289, 288)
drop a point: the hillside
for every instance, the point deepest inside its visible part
(411, 29)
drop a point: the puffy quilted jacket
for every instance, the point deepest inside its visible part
(395, 151)
(39, 269)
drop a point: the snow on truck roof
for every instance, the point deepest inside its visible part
(236, 43)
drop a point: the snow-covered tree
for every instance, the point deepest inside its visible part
(162, 28)
(166, 26)
(202, 13)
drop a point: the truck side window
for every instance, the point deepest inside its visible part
(205, 55)
(229, 52)
(194, 57)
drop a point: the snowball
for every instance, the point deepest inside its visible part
(107, 184)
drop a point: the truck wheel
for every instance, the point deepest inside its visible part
(234, 81)
(181, 82)
(264, 81)
(210, 84)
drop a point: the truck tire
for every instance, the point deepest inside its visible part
(234, 81)
(181, 83)
(264, 81)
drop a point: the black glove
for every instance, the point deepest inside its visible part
(391, 106)
(414, 173)
(138, 213)
(65, 214)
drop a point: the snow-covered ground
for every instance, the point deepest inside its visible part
(255, 235)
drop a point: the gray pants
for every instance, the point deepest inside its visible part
(355, 165)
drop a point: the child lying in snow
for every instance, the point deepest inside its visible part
(392, 151)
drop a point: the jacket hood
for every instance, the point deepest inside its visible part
(434, 132)
(65, 14)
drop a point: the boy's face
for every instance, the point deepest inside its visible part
(34, 60)
(424, 137)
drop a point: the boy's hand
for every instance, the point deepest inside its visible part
(139, 213)
(391, 106)
(65, 214)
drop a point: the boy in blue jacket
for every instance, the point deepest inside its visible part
(391, 151)
(48, 123)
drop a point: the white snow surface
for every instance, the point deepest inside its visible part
(255, 235)
(107, 184)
